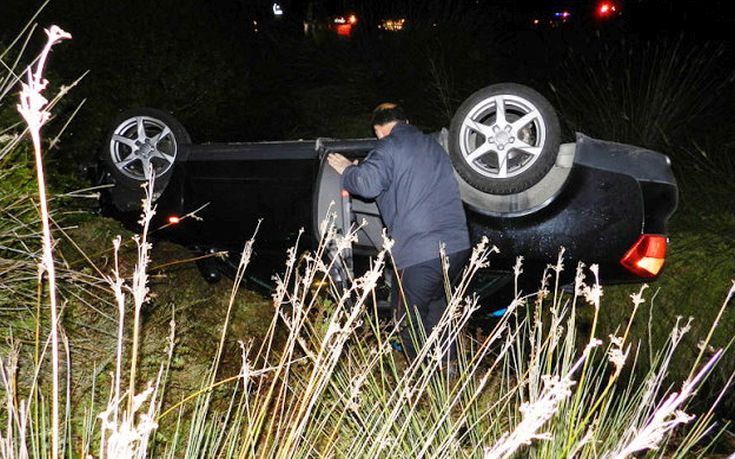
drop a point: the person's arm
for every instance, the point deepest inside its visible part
(369, 178)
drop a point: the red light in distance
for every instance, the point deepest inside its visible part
(606, 9)
(344, 30)
(173, 219)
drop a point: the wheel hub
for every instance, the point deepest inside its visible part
(145, 150)
(501, 138)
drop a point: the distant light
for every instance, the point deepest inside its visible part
(393, 25)
(344, 30)
(173, 219)
(353, 19)
(340, 20)
(606, 9)
(536, 22)
(277, 10)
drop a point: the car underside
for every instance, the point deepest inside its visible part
(605, 203)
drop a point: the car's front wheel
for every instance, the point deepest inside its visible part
(504, 138)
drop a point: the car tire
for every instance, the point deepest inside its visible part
(504, 151)
(142, 137)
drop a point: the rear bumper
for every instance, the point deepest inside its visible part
(613, 195)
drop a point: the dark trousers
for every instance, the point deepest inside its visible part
(423, 288)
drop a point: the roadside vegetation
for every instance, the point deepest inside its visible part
(140, 370)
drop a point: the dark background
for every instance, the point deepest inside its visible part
(230, 71)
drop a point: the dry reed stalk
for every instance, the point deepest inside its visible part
(417, 377)
(537, 413)
(126, 434)
(665, 418)
(32, 107)
(139, 287)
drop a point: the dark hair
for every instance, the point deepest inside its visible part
(387, 112)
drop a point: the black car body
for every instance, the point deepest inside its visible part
(606, 203)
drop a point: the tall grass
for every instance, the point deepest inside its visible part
(658, 95)
(326, 382)
(674, 96)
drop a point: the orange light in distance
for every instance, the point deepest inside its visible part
(344, 30)
(173, 219)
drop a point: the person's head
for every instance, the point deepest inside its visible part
(385, 117)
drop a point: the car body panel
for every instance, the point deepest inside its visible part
(612, 194)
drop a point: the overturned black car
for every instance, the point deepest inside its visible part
(604, 202)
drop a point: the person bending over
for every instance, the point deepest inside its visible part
(412, 181)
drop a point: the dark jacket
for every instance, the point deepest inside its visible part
(412, 180)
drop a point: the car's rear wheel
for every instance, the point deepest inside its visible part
(504, 138)
(143, 141)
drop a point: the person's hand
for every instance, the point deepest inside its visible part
(339, 163)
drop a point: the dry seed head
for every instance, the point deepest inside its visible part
(592, 294)
(543, 291)
(355, 387)
(579, 284)
(343, 243)
(535, 415)
(637, 298)
(677, 333)
(328, 221)
(244, 351)
(7, 138)
(667, 416)
(291, 259)
(709, 348)
(594, 342)
(615, 354)
(560, 261)
(387, 241)
(518, 267)
(32, 103)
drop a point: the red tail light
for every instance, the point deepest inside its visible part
(646, 257)
(173, 219)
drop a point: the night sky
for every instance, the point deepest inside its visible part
(231, 70)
